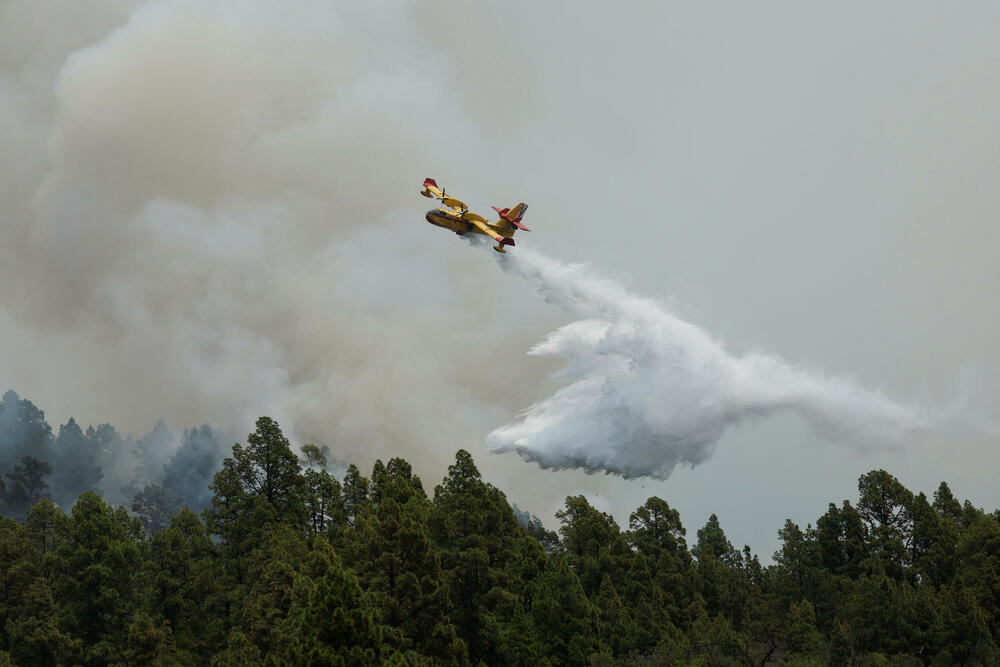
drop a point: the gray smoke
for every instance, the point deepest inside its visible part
(152, 451)
(100, 459)
(23, 429)
(190, 470)
(217, 208)
(647, 391)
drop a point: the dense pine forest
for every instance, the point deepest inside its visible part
(264, 555)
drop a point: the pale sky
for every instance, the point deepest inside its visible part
(210, 212)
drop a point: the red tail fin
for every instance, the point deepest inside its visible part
(513, 216)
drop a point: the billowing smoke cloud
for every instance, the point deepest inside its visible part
(213, 215)
(648, 391)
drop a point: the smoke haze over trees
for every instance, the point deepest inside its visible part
(35, 462)
(290, 564)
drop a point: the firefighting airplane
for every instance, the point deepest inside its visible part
(456, 216)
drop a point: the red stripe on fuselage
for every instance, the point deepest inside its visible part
(430, 218)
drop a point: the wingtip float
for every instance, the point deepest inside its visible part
(456, 216)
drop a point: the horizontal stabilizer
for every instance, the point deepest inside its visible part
(514, 215)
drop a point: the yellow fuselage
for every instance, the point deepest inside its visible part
(460, 223)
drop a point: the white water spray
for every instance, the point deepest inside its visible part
(648, 391)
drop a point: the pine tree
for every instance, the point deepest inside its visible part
(563, 616)
(103, 554)
(946, 505)
(978, 568)
(931, 545)
(272, 570)
(27, 485)
(715, 558)
(799, 559)
(615, 627)
(401, 570)
(801, 636)
(239, 652)
(77, 464)
(269, 470)
(355, 494)
(593, 543)
(23, 431)
(150, 643)
(259, 485)
(656, 528)
(482, 548)
(333, 623)
(656, 532)
(184, 584)
(38, 629)
(883, 507)
(154, 506)
(323, 495)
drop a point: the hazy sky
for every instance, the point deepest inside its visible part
(209, 212)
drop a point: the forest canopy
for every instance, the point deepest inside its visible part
(258, 553)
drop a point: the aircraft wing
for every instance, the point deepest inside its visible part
(432, 190)
(481, 225)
